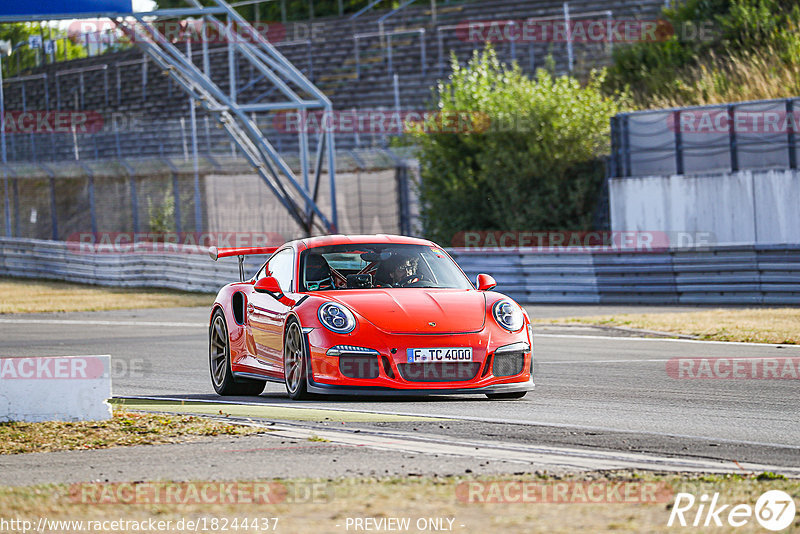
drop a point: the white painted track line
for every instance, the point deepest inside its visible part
(663, 340)
(317, 406)
(94, 322)
(738, 358)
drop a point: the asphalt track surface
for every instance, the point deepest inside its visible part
(596, 390)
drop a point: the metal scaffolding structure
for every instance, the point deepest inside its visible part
(239, 119)
(293, 92)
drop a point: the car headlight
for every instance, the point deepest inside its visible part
(336, 318)
(508, 315)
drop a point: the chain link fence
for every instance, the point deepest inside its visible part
(163, 195)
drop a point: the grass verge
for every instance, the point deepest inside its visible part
(125, 428)
(329, 506)
(718, 79)
(771, 325)
(31, 296)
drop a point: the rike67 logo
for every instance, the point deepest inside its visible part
(774, 510)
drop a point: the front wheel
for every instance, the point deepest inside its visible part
(294, 363)
(219, 361)
(507, 396)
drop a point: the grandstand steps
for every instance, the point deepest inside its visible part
(336, 77)
(366, 61)
(366, 83)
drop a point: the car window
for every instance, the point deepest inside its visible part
(281, 267)
(378, 265)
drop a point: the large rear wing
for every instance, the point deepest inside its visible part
(217, 253)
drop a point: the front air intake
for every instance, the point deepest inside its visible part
(358, 366)
(508, 364)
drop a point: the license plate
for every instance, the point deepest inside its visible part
(440, 354)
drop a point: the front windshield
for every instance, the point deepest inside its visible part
(368, 266)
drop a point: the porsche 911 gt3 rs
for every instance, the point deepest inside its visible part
(366, 315)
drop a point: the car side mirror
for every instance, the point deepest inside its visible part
(485, 282)
(270, 286)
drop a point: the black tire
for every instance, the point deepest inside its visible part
(507, 396)
(219, 362)
(295, 360)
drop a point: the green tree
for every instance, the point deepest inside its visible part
(24, 57)
(702, 39)
(529, 158)
(162, 218)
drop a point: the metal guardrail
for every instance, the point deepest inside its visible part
(720, 275)
(59, 260)
(768, 274)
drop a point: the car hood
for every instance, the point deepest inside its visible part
(417, 310)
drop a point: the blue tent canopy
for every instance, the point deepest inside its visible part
(64, 7)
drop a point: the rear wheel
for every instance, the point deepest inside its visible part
(219, 361)
(507, 396)
(294, 362)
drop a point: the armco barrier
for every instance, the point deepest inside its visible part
(30, 258)
(764, 274)
(768, 274)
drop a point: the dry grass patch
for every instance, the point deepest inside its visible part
(31, 296)
(754, 75)
(770, 325)
(125, 428)
(324, 506)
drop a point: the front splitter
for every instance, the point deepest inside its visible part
(328, 389)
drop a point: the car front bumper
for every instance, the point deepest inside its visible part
(327, 377)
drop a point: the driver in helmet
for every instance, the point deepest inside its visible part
(318, 273)
(399, 270)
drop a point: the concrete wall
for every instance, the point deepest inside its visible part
(233, 200)
(62, 388)
(746, 207)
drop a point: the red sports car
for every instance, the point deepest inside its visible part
(366, 315)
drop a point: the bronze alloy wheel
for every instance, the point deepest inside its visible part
(294, 362)
(219, 362)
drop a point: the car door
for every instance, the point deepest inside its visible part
(266, 315)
